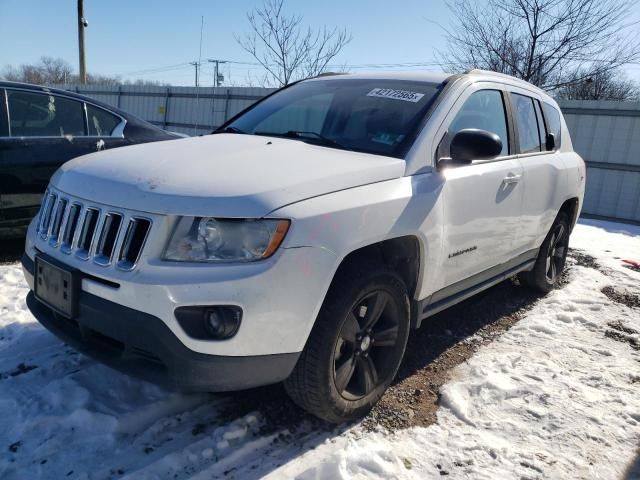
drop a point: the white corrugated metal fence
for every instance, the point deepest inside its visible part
(605, 133)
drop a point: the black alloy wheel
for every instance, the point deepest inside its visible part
(557, 252)
(360, 360)
(355, 346)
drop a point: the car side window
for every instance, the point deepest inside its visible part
(542, 128)
(101, 122)
(484, 110)
(4, 121)
(527, 121)
(44, 115)
(553, 119)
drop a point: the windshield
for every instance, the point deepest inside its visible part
(370, 115)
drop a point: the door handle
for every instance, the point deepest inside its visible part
(511, 179)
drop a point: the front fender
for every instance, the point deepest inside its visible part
(348, 220)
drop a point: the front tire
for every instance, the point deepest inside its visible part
(356, 346)
(552, 257)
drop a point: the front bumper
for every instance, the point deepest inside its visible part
(142, 345)
(280, 297)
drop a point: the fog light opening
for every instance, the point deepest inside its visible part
(221, 322)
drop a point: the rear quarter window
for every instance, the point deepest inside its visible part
(554, 123)
(101, 122)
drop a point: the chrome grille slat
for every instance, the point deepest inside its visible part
(57, 218)
(52, 216)
(95, 236)
(43, 209)
(63, 221)
(108, 237)
(134, 239)
(70, 227)
(87, 233)
(46, 215)
(76, 236)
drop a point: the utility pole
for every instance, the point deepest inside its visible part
(82, 24)
(217, 76)
(197, 65)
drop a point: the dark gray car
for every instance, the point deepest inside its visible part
(40, 129)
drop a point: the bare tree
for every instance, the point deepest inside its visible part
(47, 70)
(610, 85)
(286, 48)
(56, 71)
(550, 43)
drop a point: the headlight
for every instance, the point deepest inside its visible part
(207, 239)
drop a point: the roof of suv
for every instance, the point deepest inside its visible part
(436, 77)
(416, 75)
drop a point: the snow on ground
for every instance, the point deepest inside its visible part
(557, 396)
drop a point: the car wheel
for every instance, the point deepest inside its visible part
(551, 257)
(355, 348)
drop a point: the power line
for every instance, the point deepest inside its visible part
(178, 66)
(247, 66)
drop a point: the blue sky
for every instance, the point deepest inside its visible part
(130, 38)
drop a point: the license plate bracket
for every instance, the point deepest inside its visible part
(56, 286)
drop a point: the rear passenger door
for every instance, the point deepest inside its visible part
(482, 201)
(44, 131)
(543, 171)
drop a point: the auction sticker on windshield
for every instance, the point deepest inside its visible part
(405, 95)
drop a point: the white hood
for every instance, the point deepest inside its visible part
(219, 175)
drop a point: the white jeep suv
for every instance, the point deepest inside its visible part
(305, 238)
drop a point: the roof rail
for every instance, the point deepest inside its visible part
(329, 74)
(491, 73)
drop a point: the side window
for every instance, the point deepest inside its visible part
(527, 121)
(4, 122)
(485, 110)
(101, 122)
(542, 129)
(43, 115)
(553, 117)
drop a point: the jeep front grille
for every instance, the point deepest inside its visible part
(91, 232)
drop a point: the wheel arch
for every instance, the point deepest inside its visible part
(571, 208)
(404, 255)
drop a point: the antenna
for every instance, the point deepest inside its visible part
(197, 65)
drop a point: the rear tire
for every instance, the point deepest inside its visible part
(551, 259)
(355, 347)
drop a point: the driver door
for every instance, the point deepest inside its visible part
(482, 201)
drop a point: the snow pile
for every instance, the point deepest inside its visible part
(557, 396)
(554, 397)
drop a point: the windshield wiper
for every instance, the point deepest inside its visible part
(229, 129)
(301, 134)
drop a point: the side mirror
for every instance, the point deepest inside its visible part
(550, 143)
(472, 144)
